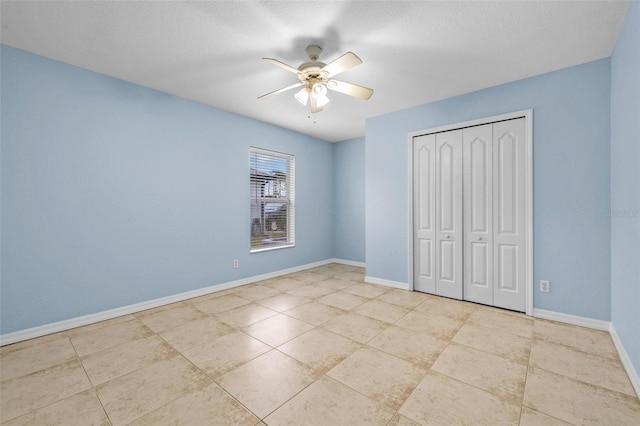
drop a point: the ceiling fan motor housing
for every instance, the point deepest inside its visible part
(311, 71)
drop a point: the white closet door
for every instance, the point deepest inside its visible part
(483, 167)
(424, 181)
(478, 214)
(448, 218)
(509, 215)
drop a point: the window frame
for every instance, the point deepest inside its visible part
(261, 182)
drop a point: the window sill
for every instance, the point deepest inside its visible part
(269, 248)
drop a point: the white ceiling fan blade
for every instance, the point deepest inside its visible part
(343, 63)
(282, 65)
(284, 89)
(350, 89)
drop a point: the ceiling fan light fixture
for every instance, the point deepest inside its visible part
(303, 95)
(320, 94)
(319, 89)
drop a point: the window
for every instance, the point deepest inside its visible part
(272, 186)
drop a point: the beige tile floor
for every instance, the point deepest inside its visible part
(318, 347)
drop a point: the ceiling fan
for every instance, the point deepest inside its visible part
(315, 77)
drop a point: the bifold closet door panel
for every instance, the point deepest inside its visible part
(424, 182)
(448, 218)
(437, 203)
(509, 216)
(478, 214)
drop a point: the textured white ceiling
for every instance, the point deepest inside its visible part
(413, 52)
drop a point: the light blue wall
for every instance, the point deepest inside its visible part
(571, 181)
(349, 182)
(114, 194)
(625, 185)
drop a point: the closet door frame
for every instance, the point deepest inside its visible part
(528, 151)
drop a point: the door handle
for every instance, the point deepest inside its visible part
(479, 238)
(448, 237)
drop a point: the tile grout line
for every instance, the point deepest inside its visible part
(93, 387)
(526, 376)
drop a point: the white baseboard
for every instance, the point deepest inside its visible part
(597, 325)
(348, 262)
(387, 283)
(626, 361)
(572, 319)
(56, 327)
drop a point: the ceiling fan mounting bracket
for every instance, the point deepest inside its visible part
(314, 51)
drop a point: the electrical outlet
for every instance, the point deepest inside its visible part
(236, 263)
(545, 287)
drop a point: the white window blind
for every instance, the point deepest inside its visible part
(272, 196)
